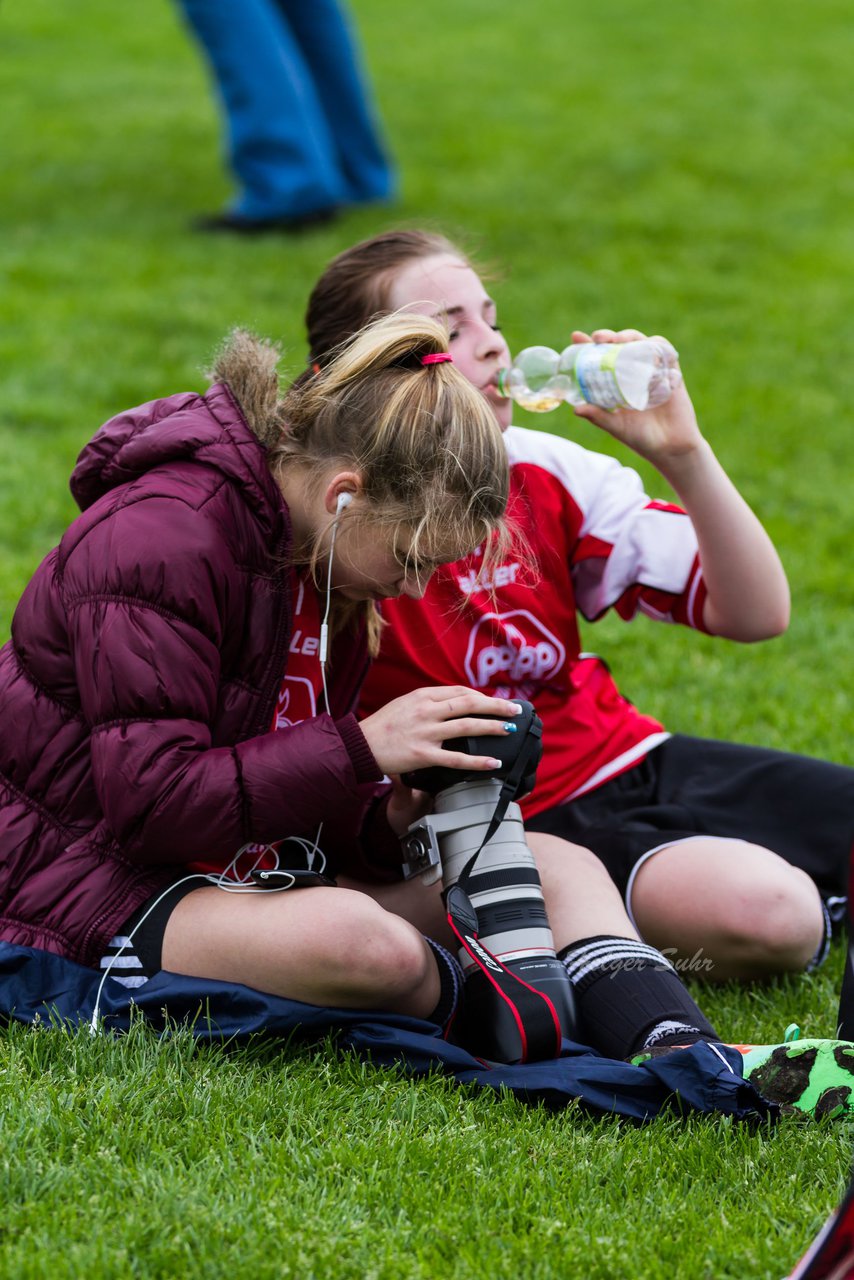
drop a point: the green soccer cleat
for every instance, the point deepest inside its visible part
(813, 1076)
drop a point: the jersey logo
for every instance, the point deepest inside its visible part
(503, 576)
(296, 702)
(512, 648)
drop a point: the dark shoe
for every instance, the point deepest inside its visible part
(238, 224)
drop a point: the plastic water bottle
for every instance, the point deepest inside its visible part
(613, 375)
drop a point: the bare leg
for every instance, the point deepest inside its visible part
(582, 900)
(419, 903)
(323, 946)
(748, 911)
(624, 992)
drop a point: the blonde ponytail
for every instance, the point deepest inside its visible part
(425, 443)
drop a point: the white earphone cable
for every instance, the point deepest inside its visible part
(238, 883)
(344, 500)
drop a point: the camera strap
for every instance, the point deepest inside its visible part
(537, 1021)
(529, 753)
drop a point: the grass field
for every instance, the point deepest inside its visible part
(681, 168)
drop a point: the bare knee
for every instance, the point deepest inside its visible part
(381, 955)
(748, 911)
(778, 927)
(322, 946)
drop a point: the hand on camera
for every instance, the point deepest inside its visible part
(408, 733)
(668, 431)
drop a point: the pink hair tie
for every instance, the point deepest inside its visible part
(438, 357)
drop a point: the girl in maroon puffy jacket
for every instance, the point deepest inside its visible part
(178, 690)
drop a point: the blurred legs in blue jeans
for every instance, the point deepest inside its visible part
(303, 137)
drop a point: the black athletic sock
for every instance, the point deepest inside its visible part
(629, 997)
(450, 988)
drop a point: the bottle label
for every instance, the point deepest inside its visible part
(595, 373)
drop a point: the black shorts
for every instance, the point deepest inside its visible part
(134, 953)
(800, 808)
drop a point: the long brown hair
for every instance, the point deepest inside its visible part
(355, 286)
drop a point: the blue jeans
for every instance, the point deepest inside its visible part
(302, 133)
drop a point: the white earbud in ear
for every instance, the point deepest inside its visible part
(344, 500)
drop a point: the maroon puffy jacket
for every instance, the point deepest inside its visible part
(145, 661)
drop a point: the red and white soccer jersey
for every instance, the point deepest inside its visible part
(300, 693)
(596, 542)
(302, 684)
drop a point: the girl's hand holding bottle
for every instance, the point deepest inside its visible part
(747, 593)
(624, 382)
(665, 433)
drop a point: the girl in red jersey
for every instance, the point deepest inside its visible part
(723, 853)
